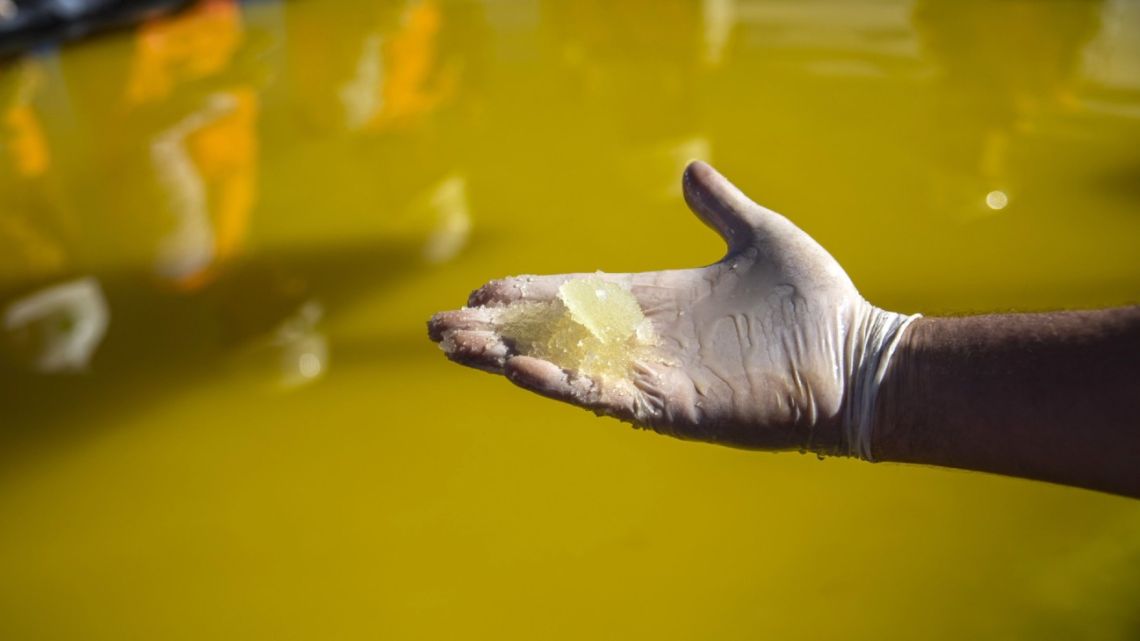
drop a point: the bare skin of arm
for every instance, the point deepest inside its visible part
(1052, 396)
(772, 347)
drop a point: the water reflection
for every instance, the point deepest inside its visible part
(1002, 67)
(205, 161)
(137, 243)
(448, 200)
(294, 353)
(196, 174)
(32, 224)
(386, 95)
(392, 68)
(59, 327)
(611, 63)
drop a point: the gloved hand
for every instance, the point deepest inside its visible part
(772, 347)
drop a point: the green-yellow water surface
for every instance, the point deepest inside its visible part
(221, 234)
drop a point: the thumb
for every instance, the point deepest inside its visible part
(717, 202)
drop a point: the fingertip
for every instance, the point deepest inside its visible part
(468, 318)
(697, 170)
(738, 219)
(700, 180)
(435, 327)
(718, 203)
(479, 349)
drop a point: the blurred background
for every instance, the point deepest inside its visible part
(224, 224)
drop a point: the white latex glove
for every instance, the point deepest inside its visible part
(772, 347)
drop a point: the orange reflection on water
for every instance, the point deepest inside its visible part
(25, 134)
(225, 153)
(197, 43)
(208, 160)
(415, 82)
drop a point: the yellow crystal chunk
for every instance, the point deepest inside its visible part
(608, 311)
(595, 328)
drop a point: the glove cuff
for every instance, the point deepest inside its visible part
(874, 345)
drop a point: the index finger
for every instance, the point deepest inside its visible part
(539, 289)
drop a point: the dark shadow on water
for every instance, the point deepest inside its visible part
(160, 343)
(1121, 182)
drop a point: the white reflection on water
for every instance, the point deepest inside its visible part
(309, 365)
(720, 18)
(997, 199)
(453, 219)
(69, 319)
(361, 95)
(189, 248)
(303, 347)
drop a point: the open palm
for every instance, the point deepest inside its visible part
(762, 349)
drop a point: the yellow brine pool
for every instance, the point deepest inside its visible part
(221, 233)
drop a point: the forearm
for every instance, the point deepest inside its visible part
(1054, 397)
